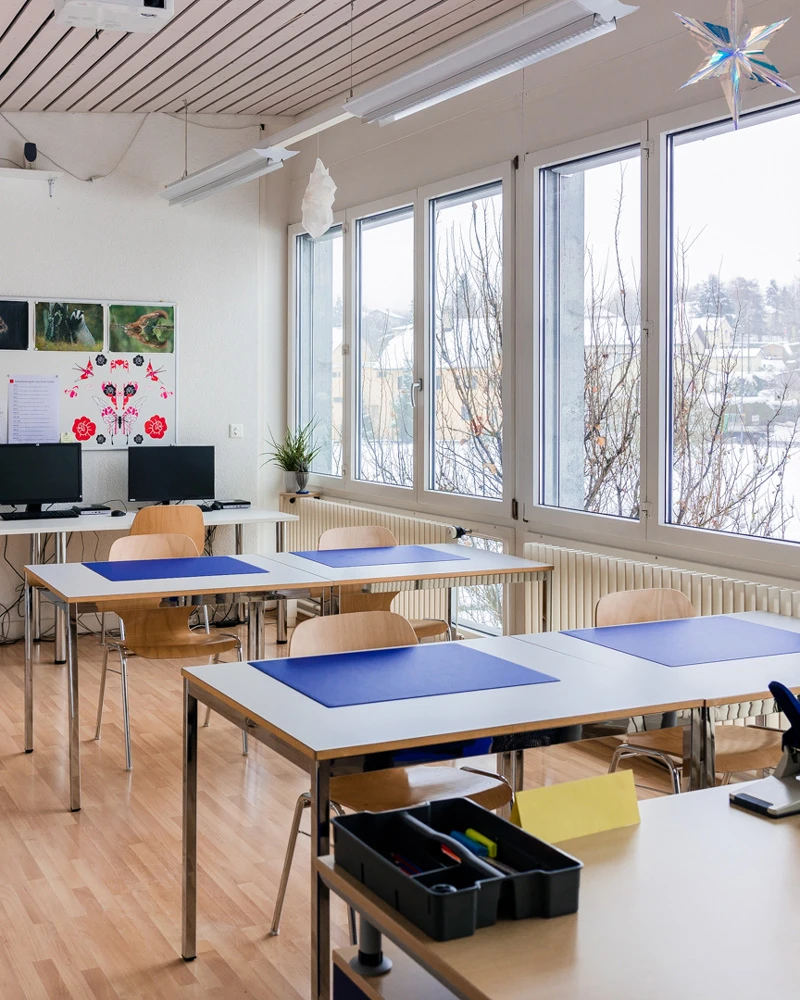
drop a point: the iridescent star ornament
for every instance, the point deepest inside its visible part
(735, 52)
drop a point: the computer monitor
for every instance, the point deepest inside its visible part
(36, 474)
(176, 472)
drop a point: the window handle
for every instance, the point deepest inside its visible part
(415, 388)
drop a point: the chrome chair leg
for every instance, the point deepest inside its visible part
(303, 802)
(126, 719)
(102, 693)
(625, 751)
(102, 628)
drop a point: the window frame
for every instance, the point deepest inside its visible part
(293, 366)
(475, 507)
(583, 525)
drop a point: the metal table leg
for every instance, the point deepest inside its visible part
(28, 606)
(36, 558)
(256, 645)
(241, 608)
(189, 937)
(505, 767)
(701, 751)
(320, 893)
(74, 710)
(280, 536)
(281, 638)
(547, 602)
(61, 618)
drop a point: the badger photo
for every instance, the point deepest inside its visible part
(69, 326)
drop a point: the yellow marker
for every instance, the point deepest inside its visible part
(479, 838)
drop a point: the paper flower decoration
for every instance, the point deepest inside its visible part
(84, 428)
(318, 201)
(156, 427)
(735, 52)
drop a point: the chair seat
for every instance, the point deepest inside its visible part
(400, 788)
(738, 748)
(193, 644)
(427, 628)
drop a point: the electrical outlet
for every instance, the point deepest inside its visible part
(236, 430)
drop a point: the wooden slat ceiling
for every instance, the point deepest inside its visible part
(255, 57)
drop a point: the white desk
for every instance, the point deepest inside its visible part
(62, 528)
(72, 585)
(474, 567)
(699, 901)
(726, 682)
(326, 742)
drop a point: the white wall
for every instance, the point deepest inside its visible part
(116, 238)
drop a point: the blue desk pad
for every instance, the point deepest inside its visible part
(133, 570)
(681, 642)
(384, 555)
(342, 679)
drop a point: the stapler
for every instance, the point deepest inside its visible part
(779, 795)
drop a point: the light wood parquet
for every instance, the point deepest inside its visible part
(90, 902)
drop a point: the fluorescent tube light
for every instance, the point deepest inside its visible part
(546, 32)
(235, 170)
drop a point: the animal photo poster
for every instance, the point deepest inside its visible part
(69, 326)
(146, 329)
(14, 325)
(109, 398)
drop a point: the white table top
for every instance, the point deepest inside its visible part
(696, 902)
(583, 694)
(75, 583)
(104, 522)
(473, 562)
(721, 683)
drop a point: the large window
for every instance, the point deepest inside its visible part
(319, 371)
(590, 253)
(735, 329)
(385, 338)
(467, 342)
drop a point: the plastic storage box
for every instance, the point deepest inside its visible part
(406, 857)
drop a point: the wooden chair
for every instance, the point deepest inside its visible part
(156, 632)
(172, 519)
(396, 788)
(738, 748)
(373, 536)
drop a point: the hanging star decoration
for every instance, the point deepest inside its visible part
(735, 53)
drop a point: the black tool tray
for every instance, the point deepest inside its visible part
(441, 896)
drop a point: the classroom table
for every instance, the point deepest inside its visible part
(326, 742)
(469, 567)
(62, 528)
(698, 901)
(73, 585)
(718, 683)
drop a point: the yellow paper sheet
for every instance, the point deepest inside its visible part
(578, 808)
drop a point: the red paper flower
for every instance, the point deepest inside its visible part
(156, 427)
(84, 428)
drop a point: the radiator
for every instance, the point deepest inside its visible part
(580, 579)
(317, 515)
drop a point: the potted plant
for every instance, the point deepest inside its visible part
(294, 454)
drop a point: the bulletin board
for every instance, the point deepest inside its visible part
(115, 365)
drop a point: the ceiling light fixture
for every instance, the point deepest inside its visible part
(246, 166)
(546, 32)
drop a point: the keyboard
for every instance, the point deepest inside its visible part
(45, 515)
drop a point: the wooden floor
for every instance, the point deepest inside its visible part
(91, 900)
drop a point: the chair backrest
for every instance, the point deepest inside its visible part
(161, 546)
(366, 536)
(653, 605)
(172, 519)
(351, 632)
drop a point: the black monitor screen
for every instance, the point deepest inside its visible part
(38, 474)
(156, 475)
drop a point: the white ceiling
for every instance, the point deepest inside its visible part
(254, 57)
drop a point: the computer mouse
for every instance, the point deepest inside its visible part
(118, 513)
